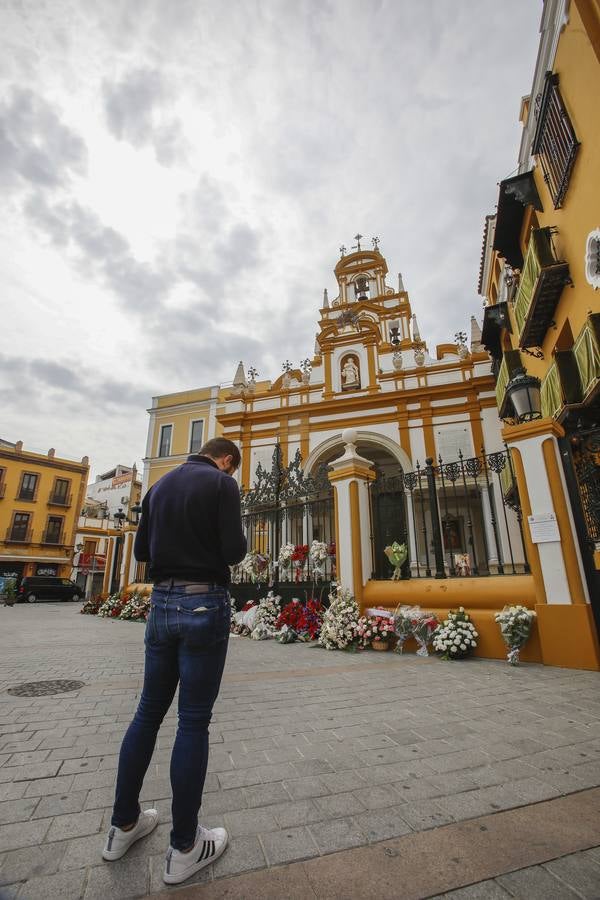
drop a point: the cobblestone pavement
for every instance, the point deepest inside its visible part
(311, 752)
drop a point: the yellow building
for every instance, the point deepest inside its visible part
(540, 275)
(40, 500)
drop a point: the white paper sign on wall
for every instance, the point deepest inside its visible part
(543, 528)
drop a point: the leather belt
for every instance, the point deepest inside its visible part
(188, 587)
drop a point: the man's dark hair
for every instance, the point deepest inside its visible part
(219, 447)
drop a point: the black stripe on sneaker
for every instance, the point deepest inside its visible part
(111, 835)
(212, 848)
(203, 851)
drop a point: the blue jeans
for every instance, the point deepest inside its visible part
(186, 644)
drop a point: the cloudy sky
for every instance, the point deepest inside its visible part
(178, 175)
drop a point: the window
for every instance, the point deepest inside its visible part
(555, 142)
(20, 527)
(164, 446)
(2, 483)
(196, 436)
(60, 492)
(28, 486)
(53, 530)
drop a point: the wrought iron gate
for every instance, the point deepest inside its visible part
(581, 461)
(287, 507)
(458, 519)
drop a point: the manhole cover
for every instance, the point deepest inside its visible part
(41, 688)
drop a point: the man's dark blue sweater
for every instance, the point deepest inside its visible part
(191, 526)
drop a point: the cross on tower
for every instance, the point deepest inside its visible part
(343, 250)
(357, 238)
(375, 242)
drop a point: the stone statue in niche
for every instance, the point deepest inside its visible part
(350, 374)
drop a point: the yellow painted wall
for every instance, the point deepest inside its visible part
(578, 69)
(47, 469)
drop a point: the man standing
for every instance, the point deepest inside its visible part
(190, 533)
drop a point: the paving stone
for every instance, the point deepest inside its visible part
(222, 801)
(382, 824)
(250, 821)
(287, 845)
(340, 834)
(337, 805)
(265, 794)
(12, 790)
(54, 887)
(17, 810)
(82, 851)
(485, 890)
(377, 797)
(535, 883)
(243, 778)
(19, 865)
(27, 758)
(60, 804)
(120, 879)
(44, 786)
(74, 766)
(301, 788)
(23, 834)
(459, 760)
(579, 872)
(424, 814)
(75, 825)
(87, 780)
(242, 855)
(310, 767)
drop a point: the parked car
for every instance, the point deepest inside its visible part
(38, 587)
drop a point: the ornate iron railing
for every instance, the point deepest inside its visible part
(458, 519)
(555, 142)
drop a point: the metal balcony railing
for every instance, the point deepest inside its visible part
(555, 141)
(52, 537)
(542, 281)
(18, 535)
(59, 499)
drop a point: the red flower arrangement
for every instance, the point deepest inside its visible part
(302, 618)
(291, 615)
(313, 617)
(299, 557)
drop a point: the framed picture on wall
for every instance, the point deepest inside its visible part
(453, 534)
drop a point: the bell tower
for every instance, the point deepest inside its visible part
(366, 321)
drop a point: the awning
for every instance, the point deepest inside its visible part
(515, 194)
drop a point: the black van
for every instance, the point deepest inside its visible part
(38, 587)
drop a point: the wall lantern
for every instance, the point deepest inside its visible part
(119, 518)
(523, 390)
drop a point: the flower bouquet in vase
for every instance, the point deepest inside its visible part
(516, 623)
(284, 561)
(299, 557)
(396, 553)
(424, 625)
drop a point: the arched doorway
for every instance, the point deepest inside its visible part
(387, 496)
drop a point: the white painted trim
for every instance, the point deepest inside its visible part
(363, 437)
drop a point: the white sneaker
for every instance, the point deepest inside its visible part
(118, 841)
(209, 845)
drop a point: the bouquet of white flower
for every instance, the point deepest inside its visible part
(515, 623)
(287, 635)
(268, 611)
(318, 555)
(284, 561)
(256, 566)
(455, 637)
(262, 632)
(340, 622)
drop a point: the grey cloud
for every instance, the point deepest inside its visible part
(137, 111)
(36, 147)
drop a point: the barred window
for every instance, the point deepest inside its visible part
(555, 142)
